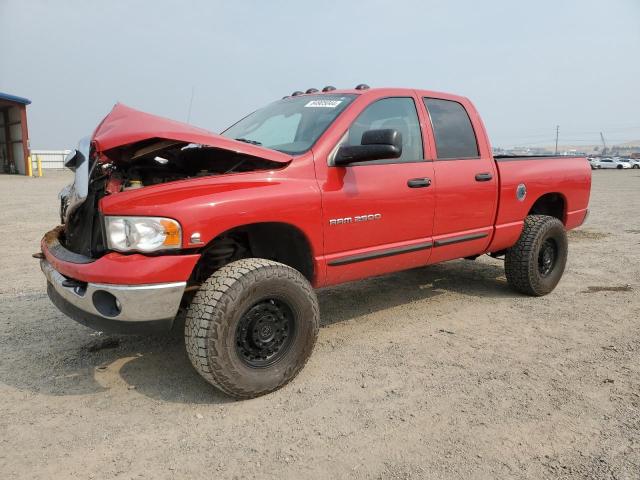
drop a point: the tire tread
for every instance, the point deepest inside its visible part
(206, 320)
(520, 260)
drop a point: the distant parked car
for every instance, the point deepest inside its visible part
(634, 162)
(594, 163)
(613, 163)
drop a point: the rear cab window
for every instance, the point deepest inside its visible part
(452, 129)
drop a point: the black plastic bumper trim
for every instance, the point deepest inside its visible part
(60, 252)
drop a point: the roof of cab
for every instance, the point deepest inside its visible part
(389, 90)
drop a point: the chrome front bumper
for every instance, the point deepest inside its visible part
(109, 307)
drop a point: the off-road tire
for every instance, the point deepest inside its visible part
(522, 260)
(219, 306)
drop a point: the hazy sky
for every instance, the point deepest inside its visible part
(526, 65)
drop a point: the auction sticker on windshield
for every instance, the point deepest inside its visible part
(324, 103)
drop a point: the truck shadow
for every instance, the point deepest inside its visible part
(51, 355)
(48, 354)
(166, 374)
(475, 279)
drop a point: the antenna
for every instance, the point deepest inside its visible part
(193, 89)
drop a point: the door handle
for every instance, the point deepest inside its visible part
(483, 177)
(418, 182)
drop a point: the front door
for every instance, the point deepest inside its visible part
(378, 215)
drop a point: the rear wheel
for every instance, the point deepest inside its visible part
(535, 264)
(252, 326)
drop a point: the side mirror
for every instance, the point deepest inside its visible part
(73, 159)
(375, 145)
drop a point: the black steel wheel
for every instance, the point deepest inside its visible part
(251, 327)
(547, 257)
(535, 264)
(264, 333)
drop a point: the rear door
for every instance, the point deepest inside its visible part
(378, 215)
(466, 182)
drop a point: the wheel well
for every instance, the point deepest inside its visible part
(552, 204)
(281, 242)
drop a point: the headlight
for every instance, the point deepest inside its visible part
(143, 234)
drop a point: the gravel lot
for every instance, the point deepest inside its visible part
(438, 372)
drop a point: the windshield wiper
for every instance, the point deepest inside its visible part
(248, 140)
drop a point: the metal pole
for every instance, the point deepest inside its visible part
(39, 160)
(557, 130)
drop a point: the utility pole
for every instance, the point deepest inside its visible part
(557, 131)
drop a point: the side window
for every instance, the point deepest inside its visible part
(452, 129)
(398, 113)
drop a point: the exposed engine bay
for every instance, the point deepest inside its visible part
(141, 164)
(158, 161)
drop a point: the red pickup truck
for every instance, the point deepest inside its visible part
(231, 233)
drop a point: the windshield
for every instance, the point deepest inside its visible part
(291, 125)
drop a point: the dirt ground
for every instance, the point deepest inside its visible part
(438, 372)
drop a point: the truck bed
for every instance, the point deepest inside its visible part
(540, 157)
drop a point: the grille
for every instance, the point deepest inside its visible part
(83, 230)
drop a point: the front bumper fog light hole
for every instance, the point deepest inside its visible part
(106, 303)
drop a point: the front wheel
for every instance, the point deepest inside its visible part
(635, 165)
(535, 264)
(251, 327)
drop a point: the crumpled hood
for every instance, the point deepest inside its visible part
(125, 125)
